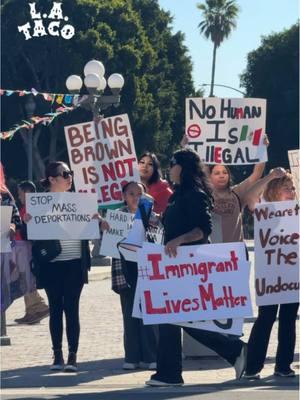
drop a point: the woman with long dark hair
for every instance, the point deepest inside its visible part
(63, 278)
(158, 188)
(187, 221)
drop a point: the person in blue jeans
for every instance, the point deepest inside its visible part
(187, 221)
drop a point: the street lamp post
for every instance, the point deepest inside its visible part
(29, 107)
(95, 82)
(225, 86)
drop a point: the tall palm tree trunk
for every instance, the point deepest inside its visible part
(213, 71)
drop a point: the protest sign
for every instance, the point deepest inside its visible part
(232, 326)
(138, 234)
(120, 223)
(6, 212)
(227, 131)
(202, 283)
(62, 216)
(103, 157)
(229, 325)
(294, 156)
(276, 240)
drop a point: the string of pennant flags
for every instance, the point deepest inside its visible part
(58, 98)
(35, 120)
(67, 102)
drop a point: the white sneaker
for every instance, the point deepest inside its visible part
(251, 376)
(240, 362)
(154, 382)
(150, 366)
(130, 366)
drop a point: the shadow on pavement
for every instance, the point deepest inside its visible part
(192, 392)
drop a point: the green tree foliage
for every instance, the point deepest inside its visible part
(219, 19)
(273, 73)
(132, 37)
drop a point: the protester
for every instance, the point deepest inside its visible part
(10, 283)
(150, 175)
(140, 342)
(278, 189)
(187, 221)
(230, 200)
(35, 307)
(63, 278)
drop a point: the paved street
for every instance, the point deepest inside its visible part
(25, 364)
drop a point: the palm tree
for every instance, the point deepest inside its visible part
(219, 18)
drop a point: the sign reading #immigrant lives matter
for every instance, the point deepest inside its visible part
(276, 240)
(202, 283)
(62, 216)
(233, 326)
(103, 157)
(227, 131)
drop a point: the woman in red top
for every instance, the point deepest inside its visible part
(150, 175)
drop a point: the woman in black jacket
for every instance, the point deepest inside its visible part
(63, 277)
(187, 221)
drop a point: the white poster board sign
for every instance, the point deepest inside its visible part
(294, 157)
(227, 131)
(276, 244)
(6, 213)
(232, 326)
(62, 216)
(120, 223)
(103, 157)
(203, 282)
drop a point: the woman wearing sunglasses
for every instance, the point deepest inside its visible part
(187, 221)
(63, 278)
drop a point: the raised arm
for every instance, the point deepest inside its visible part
(256, 190)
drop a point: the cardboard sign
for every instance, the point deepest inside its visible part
(120, 224)
(276, 240)
(62, 216)
(203, 282)
(227, 131)
(103, 157)
(6, 212)
(294, 156)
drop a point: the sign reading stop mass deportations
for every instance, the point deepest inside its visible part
(227, 131)
(103, 157)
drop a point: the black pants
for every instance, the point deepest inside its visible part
(260, 336)
(169, 359)
(140, 341)
(63, 288)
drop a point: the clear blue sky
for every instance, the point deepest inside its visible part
(256, 18)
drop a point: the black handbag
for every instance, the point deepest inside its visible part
(44, 251)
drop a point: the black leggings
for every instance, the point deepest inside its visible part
(63, 288)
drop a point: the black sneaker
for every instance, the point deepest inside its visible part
(285, 373)
(71, 365)
(58, 361)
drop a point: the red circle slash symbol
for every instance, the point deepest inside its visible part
(194, 131)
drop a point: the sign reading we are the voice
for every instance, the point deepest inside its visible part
(227, 131)
(276, 238)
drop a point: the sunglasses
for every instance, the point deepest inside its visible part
(173, 162)
(65, 174)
